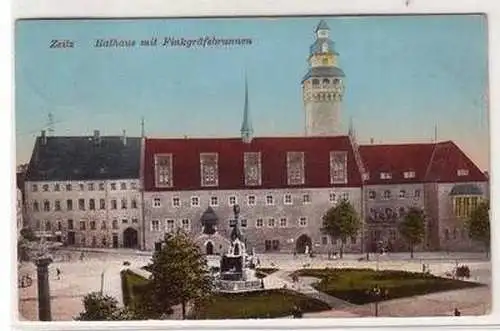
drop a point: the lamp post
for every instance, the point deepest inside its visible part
(378, 293)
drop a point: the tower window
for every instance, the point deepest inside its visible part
(315, 82)
(326, 81)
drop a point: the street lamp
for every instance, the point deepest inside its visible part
(378, 293)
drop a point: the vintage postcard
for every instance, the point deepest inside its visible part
(252, 168)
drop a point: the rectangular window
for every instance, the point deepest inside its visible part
(102, 204)
(169, 225)
(124, 203)
(409, 174)
(283, 222)
(232, 200)
(268, 245)
(163, 170)
(269, 200)
(82, 225)
(306, 198)
(45, 187)
(209, 169)
(113, 186)
(324, 240)
(114, 204)
(133, 203)
(417, 193)
(101, 186)
(57, 205)
(133, 186)
(387, 195)
(81, 204)
(287, 199)
(34, 188)
(253, 168)
(103, 225)
(333, 197)
(276, 245)
(385, 175)
(135, 220)
(259, 223)
(123, 186)
(271, 223)
(195, 201)
(214, 201)
(46, 205)
(243, 223)
(186, 225)
(48, 226)
(251, 200)
(157, 202)
(402, 194)
(338, 167)
(92, 204)
(92, 225)
(345, 196)
(295, 168)
(353, 240)
(57, 187)
(372, 195)
(176, 201)
(91, 186)
(83, 241)
(124, 221)
(114, 224)
(69, 187)
(462, 172)
(155, 225)
(59, 226)
(82, 187)
(70, 224)
(303, 222)
(36, 206)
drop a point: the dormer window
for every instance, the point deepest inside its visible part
(409, 174)
(338, 167)
(295, 168)
(462, 172)
(252, 168)
(163, 170)
(385, 175)
(209, 169)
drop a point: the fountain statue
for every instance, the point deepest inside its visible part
(237, 273)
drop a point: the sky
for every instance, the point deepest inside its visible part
(405, 76)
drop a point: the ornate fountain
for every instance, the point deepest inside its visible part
(237, 269)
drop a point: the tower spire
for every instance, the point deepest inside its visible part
(246, 125)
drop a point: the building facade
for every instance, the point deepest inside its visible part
(85, 191)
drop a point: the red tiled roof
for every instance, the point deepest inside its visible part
(430, 162)
(186, 161)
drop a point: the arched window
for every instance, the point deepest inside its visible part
(326, 82)
(236, 249)
(315, 82)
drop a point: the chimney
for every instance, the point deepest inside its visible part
(124, 138)
(43, 137)
(97, 137)
(372, 141)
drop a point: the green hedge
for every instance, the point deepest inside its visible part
(133, 285)
(354, 285)
(257, 304)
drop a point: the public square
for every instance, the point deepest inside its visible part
(79, 277)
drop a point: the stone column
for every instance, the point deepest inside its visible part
(42, 268)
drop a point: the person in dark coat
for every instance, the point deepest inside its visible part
(457, 312)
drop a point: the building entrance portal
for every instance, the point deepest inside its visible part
(304, 244)
(130, 238)
(209, 248)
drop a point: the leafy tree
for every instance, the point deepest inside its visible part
(99, 307)
(341, 222)
(28, 234)
(179, 274)
(478, 224)
(412, 229)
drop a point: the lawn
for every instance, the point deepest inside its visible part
(257, 304)
(353, 285)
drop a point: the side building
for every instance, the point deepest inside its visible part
(85, 191)
(282, 185)
(436, 177)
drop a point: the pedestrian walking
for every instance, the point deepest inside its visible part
(82, 256)
(457, 312)
(58, 272)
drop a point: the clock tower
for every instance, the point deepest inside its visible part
(322, 86)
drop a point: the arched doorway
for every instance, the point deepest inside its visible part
(302, 242)
(130, 236)
(209, 248)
